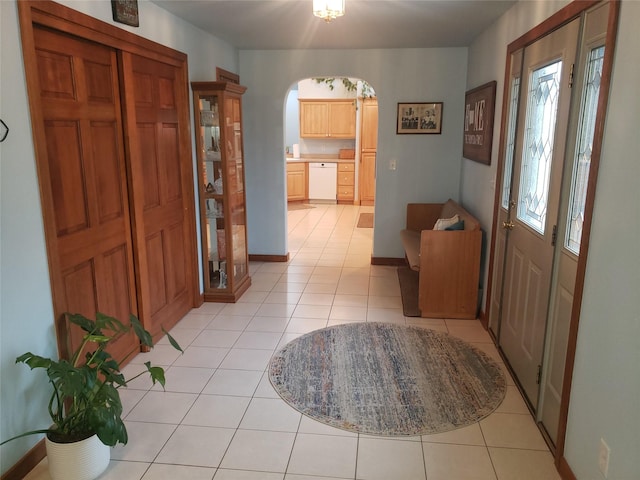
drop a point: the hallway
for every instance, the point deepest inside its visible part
(219, 417)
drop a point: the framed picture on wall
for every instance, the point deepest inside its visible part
(479, 105)
(125, 11)
(420, 117)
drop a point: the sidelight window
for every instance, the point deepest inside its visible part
(511, 139)
(582, 160)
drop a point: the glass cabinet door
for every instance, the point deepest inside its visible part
(213, 186)
(236, 187)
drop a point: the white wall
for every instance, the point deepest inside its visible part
(606, 383)
(292, 116)
(309, 88)
(428, 166)
(25, 298)
(26, 315)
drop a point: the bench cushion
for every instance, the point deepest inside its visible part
(444, 223)
(411, 244)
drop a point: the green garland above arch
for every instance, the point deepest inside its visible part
(367, 91)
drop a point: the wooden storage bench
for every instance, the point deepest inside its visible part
(448, 261)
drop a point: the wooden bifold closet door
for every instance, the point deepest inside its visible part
(115, 173)
(83, 173)
(160, 186)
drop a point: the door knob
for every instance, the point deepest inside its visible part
(508, 225)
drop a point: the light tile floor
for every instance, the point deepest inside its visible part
(219, 417)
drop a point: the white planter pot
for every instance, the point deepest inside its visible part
(83, 460)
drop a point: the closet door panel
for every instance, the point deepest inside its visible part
(68, 183)
(82, 174)
(157, 284)
(162, 189)
(105, 140)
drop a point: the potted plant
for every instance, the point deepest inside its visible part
(85, 405)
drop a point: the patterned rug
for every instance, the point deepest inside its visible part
(386, 379)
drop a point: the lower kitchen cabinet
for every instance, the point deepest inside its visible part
(367, 178)
(346, 182)
(297, 182)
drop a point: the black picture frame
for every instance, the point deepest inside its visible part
(125, 11)
(419, 118)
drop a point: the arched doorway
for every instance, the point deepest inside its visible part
(331, 120)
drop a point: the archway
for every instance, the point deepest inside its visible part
(330, 141)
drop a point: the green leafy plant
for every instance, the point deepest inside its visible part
(85, 398)
(349, 86)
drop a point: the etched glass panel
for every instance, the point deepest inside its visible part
(537, 155)
(511, 138)
(582, 160)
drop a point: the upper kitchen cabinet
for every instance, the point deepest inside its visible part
(218, 120)
(328, 119)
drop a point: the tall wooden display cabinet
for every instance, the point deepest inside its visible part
(219, 149)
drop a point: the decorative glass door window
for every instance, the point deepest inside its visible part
(510, 144)
(582, 160)
(537, 155)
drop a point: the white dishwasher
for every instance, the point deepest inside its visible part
(322, 182)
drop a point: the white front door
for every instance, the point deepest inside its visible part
(539, 149)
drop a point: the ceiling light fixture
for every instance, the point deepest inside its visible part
(328, 9)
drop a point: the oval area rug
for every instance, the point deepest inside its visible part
(386, 379)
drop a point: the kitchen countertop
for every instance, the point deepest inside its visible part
(318, 158)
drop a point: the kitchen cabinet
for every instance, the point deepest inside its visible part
(369, 145)
(368, 178)
(369, 139)
(346, 182)
(327, 119)
(297, 186)
(220, 155)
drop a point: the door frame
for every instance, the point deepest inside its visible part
(560, 18)
(67, 21)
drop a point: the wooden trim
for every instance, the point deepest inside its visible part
(27, 463)
(268, 258)
(223, 75)
(603, 99)
(65, 19)
(499, 172)
(190, 208)
(390, 261)
(565, 470)
(218, 86)
(484, 320)
(42, 166)
(199, 300)
(554, 22)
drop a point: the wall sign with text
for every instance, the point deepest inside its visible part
(479, 105)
